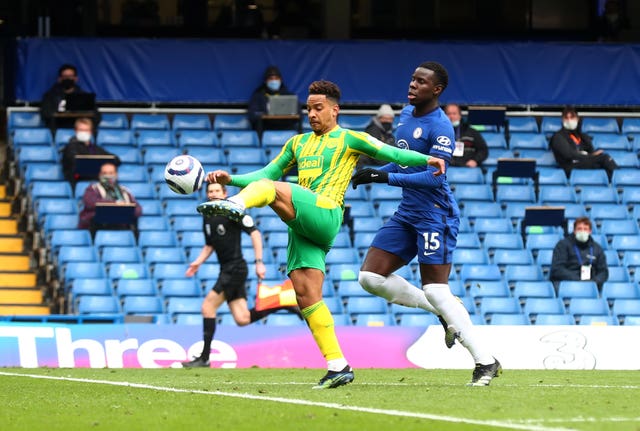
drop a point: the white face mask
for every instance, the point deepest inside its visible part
(582, 236)
(455, 123)
(83, 136)
(570, 124)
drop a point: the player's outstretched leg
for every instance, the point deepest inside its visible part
(334, 379)
(222, 207)
(483, 374)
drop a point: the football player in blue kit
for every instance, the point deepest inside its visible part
(426, 222)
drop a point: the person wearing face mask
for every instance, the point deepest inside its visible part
(471, 148)
(53, 101)
(106, 189)
(573, 149)
(579, 257)
(271, 85)
(82, 143)
(380, 127)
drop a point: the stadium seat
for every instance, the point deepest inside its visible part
(381, 192)
(75, 270)
(631, 196)
(159, 155)
(191, 122)
(612, 227)
(152, 223)
(493, 304)
(133, 304)
(120, 254)
(554, 319)
(515, 273)
(338, 255)
(484, 225)
(366, 304)
(128, 153)
(137, 287)
(568, 289)
(70, 237)
(555, 195)
(600, 212)
(473, 192)
(599, 125)
(468, 240)
(594, 177)
(197, 138)
(62, 136)
(149, 121)
(214, 157)
(344, 271)
(495, 141)
(246, 156)
(477, 272)
(145, 138)
(598, 194)
(463, 175)
(193, 239)
(19, 120)
(374, 319)
(544, 305)
(480, 289)
(531, 141)
(98, 304)
(463, 256)
(132, 173)
(625, 177)
(276, 138)
(188, 319)
(550, 125)
(632, 320)
(515, 193)
(188, 224)
(154, 255)
(523, 290)
(503, 257)
(177, 304)
(542, 241)
(494, 240)
(618, 273)
(233, 139)
(473, 209)
(54, 222)
(611, 141)
(43, 172)
(598, 320)
(115, 137)
(288, 319)
(113, 120)
(127, 270)
(32, 136)
(422, 320)
(231, 122)
(552, 176)
(580, 306)
(624, 243)
(180, 287)
(88, 286)
(509, 319)
(49, 189)
(177, 207)
(175, 270)
(157, 239)
(523, 124)
(354, 121)
(35, 154)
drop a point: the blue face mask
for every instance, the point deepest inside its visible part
(274, 84)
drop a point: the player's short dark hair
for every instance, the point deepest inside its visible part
(569, 110)
(326, 88)
(583, 220)
(442, 77)
(67, 67)
(222, 186)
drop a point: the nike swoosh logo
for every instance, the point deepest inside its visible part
(374, 175)
(429, 253)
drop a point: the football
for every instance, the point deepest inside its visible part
(184, 174)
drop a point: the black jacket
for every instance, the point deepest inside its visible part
(376, 130)
(74, 148)
(566, 151)
(475, 147)
(565, 264)
(51, 100)
(258, 107)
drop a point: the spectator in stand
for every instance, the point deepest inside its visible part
(53, 101)
(81, 143)
(573, 149)
(106, 189)
(579, 257)
(272, 85)
(471, 148)
(380, 127)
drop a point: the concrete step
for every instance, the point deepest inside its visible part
(14, 262)
(3, 191)
(24, 310)
(10, 244)
(17, 279)
(8, 226)
(21, 297)
(5, 209)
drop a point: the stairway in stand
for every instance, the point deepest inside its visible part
(19, 290)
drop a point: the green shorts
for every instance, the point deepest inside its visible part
(312, 232)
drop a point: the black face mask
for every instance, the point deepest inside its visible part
(67, 83)
(386, 126)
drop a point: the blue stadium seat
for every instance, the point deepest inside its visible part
(339, 255)
(75, 253)
(515, 193)
(137, 287)
(159, 155)
(354, 121)
(631, 196)
(156, 222)
(612, 258)
(175, 270)
(523, 290)
(149, 121)
(530, 141)
(478, 272)
(485, 288)
(231, 122)
(568, 289)
(611, 141)
(598, 320)
(550, 125)
(276, 138)
(503, 257)
(468, 240)
(191, 121)
(382, 192)
(114, 137)
(193, 239)
(552, 176)
(632, 320)
(197, 138)
(344, 271)
(69, 237)
(495, 140)
(494, 240)
(230, 139)
(75, 270)
(32, 136)
(141, 190)
(49, 189)
(88, 286)
(55, 222)
(583, 177)
(366, 304)
(537, 306)
(631, 126)
(463, 256)
(374, 319)
(132, 173)
(126, 153)
(35, 154)
(113, 120)
(515, 273)
(180, 287)
(625, 177)
(127, 270)
(246, 156)
(98, 304)
(624, 243)
(509, 319)
(133, 304)
(625, 159)
(626, 307)
(208, 156)
(188, 224)
(542, 241)
(598, 194)
(288, 319)
(473, 209)
(360, 209)
(484, 225)
(580, 306)
(113, 253)
(494, 304)
(473, 192)
(618, 273)
(630, 260)
(464, 175)
(421, 320)
(599, 125)
(152, 137)
(554, 319)
(47, 206)
(43, 172)
(188, 319)
(544, 258)
(178, 304)
(601, 212)
(180, 206)
(62, 137)
(619, 227)
(157, 239)
(24, 120)
(523, 124)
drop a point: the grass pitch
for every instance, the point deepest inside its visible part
(282, 399)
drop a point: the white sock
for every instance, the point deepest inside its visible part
(337, 364)
(237, 199)
(395, 289)
(457, 317)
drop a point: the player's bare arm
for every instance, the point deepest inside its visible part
(218, 176)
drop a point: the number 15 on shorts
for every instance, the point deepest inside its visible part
(431, 242)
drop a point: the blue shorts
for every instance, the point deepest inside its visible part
(431, 236)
